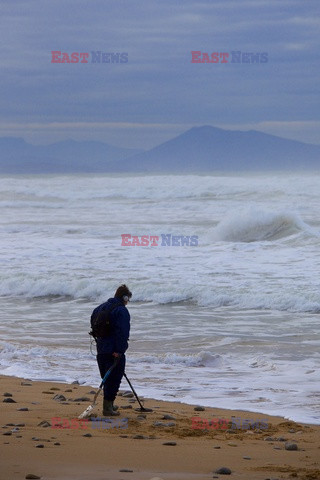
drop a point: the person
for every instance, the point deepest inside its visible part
(114, 346)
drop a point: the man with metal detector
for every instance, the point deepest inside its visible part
(110, 323)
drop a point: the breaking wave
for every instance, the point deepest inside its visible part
(90, 290)
(254, 225)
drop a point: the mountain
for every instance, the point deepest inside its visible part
(18, 156)
(205, 149)
(198, 150)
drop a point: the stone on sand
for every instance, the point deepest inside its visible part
(223, 471)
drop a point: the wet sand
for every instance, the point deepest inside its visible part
(248, 451)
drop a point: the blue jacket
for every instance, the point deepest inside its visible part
(120, 322)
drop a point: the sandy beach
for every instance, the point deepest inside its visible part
(172, 442)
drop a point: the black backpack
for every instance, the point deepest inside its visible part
(100, 323)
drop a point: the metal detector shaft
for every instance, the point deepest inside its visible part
(134, 392)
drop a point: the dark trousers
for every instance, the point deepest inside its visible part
(111, 387)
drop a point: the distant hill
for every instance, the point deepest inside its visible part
(205, 149)
(198, 150)
(18, 156)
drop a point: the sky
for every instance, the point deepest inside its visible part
(159, 92)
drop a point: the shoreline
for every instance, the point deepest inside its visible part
(175, 400)
(249, 449)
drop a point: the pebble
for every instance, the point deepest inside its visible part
(292, 430)
(59, 398)
(82, 399)
(131, 400)
(139, 437)
(125, 470)
(217, 447)
(171, 444)
(126, 407)
(168, 417)
(123, 436)
(31, 476)
(246, 458)
(44, 424)
(291, 446)
(18, 436)
(87, 435)
(92, 392)
(281, 439)
(26, 384)
(9, 400)
(40, 445)
(20, 425)
(198, 408)
(16, 429)
(10, 424)
(75, 383)
(57, 443)
(47, 393)
(7, 433)
(23, 409)
(162, 424)
(269, 439)
(36, 439)
(7, 394)
(55, 388)
(127, 394)
(232, 444)
(277, 448)
(68, 390)
(223, 471)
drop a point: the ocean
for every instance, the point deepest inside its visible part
(232, 321)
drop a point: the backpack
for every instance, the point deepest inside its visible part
(100, 323)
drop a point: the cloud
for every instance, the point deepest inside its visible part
(159, 85)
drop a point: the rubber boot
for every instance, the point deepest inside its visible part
(108, 410)
(115, 407)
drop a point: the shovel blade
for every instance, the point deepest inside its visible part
(87, 411)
